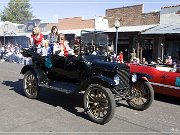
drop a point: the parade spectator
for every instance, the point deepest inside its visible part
(169, 61)
(132, 54)
(158, 61)
(2, 51)
(144, 61)
(120, 57)
(135, 60)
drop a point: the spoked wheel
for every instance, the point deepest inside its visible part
(31, 88)
(143, 95)
(99, 103)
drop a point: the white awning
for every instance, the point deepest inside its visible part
(8, 28)
(164, 29)
(140, 28)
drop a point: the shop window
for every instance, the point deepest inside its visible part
(173, 49)
(147, 49)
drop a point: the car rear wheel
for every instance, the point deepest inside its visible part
(30, 85)
(143, 95)
(99, 103)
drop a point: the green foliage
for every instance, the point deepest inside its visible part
(17, 11)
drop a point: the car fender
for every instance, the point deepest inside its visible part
(41, 76)
(102, 80)
(143, 76)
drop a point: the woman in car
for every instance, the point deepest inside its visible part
(169, 61)
(54, 39)
(36, 39)
(64, 46)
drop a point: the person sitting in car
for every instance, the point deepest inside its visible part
(54, 39)
(169, 61)
(64, 47)
(144, 61)
(36, 39)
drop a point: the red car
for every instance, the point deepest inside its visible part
(164, 79)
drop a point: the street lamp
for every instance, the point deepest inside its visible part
(5, 31)
(162, 52)
(117, 25)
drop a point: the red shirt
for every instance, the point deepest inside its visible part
(37, 41)
(120, 58)
(64, 48)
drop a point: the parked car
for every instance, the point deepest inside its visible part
(164, 79)
(89, 70)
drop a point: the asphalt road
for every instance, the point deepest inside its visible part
(55, 112)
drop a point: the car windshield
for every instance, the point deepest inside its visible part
(94, 43)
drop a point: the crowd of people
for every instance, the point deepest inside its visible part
(11, 52)
(169, 61)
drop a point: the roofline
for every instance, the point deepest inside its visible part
(125, 7)
(170, 6)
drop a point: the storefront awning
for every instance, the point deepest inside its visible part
(164, 29)
(8, 28)
(140, 28)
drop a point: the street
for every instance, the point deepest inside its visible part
(54, 112)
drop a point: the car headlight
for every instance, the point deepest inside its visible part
(116, 79)
(134, 77)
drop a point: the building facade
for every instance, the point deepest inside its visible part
(131, 16)
(165, 36)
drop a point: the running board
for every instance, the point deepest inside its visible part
(61, 87)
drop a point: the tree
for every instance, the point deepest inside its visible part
(17, 11)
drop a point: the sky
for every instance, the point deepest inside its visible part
(52, 10)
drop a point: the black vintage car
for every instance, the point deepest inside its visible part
(90, 70)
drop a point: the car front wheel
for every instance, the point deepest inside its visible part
(143, 95)
(30, 85)
(99, 103)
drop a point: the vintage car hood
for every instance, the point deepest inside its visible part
(111, 66)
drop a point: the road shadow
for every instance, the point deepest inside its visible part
(167, 99)
(15, 86)
(69, 102)
(157, 97)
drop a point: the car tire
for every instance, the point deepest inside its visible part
(30, 85)
(141, 91)
(99, 103)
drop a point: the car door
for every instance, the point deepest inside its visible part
(169, 78)
(72, 68)
(168, 83)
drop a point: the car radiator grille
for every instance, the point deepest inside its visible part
(124, 76)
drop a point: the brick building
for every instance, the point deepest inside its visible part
(132, 16)
(79, 23)
(75, 23)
